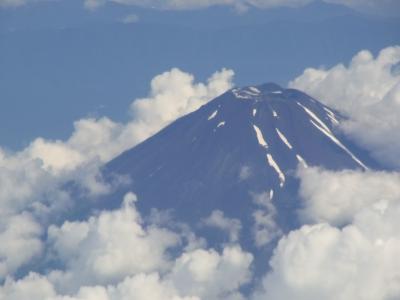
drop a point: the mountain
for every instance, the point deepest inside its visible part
(245, 143)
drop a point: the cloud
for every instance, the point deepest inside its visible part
(121, 258)
(12, 3)
(173, 94)
(335, 197)
(218, 220)
(129, 19)
(324, 262)
(387, 7)
(20, 242)
(198, 4)
(265, 227)
(211, 275)
(33, 181)
(356, 261)
(369, 95)
(111, 246)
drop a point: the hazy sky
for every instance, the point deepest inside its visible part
(64, 60)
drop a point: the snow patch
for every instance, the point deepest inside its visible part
(274, 114)
(276, 92)
(247, 93)
(302, 161)
(212, 116)
(221, 124)
(254, 89)
(283, 138)
(330, 135)
(314, 116)
(271, 194)
(254, 112)
(274, 165)
(331, 116)
(260, 137)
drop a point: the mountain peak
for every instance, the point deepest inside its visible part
(257, 91)
(246, 142)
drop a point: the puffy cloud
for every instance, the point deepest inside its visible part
(211, 275)
(139, 287)
(335, 197)
(33, 180)
(20, 242)
(33, 287)
(324, 262)
(218, 220)
(368, 92)
(121, 258)
(111, 246)
(174, 94)
(265, 227)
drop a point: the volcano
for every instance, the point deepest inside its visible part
(242, 146)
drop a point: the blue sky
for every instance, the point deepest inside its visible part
(64, 60)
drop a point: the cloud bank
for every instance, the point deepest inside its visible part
(120, 257)
(387, 7)
(33, 180)
(355, 261)
(349, 238)
(371, 6)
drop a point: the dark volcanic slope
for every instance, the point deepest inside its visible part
(247, 141)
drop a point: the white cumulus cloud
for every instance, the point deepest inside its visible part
(33, 180)
(335, 197)
(356, 261)
(113, 255)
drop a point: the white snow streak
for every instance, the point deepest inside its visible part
(260, 137)
(274, 165)
(240, 95)
(212, 116)
(314, 116)
(337, 142)
(283, 138)
(254, 89)
(276, 92)
(221, 124)
(331, 116)
(254, 112)
(274, 114)
(271, 194)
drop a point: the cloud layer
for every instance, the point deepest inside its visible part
(349, 239)
(387, 7)
(371, 6)
(357, 261)
(120, 257)
(33, 180)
